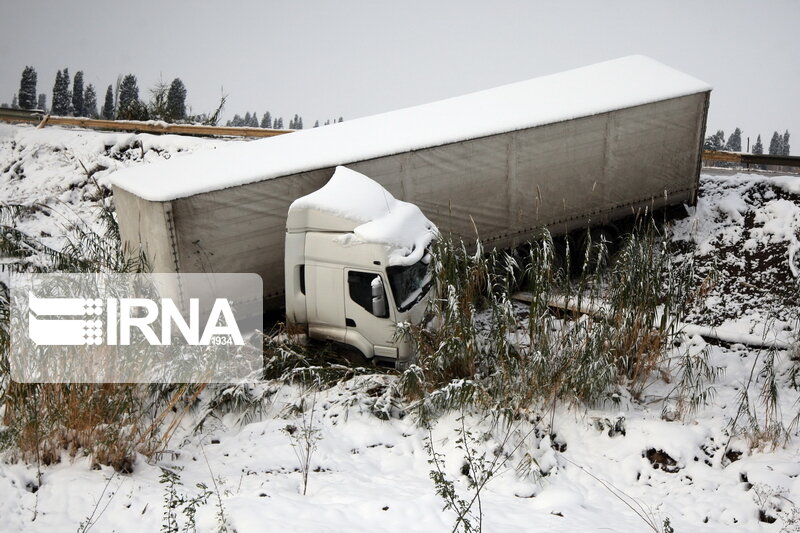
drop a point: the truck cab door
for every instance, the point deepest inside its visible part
(368, 316)
(325, 309)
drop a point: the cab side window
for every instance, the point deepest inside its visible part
(367, 290)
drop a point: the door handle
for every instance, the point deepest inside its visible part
(349, 322)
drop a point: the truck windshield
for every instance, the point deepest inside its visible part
(410, 283)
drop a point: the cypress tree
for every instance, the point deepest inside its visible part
(785, 143)
(90, 102)
(14, 102)
(42, 103)
(55, 100)
(67, 95)
(776, 144)
(77, 95)
(758, 147)
(128, 95)
(266, 120)
(316, 124)
(108, 105)
(27, 89)
(734, 143)
(176, 100)
(61, 100)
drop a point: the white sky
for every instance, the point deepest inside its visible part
(326, 58)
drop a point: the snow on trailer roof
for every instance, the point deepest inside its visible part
(586, 91)
(381, 218)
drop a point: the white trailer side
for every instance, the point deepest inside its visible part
(563, 151)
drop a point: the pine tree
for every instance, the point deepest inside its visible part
(316, 124)
(279, 123)
(776, 144)
(785, 143)
(128, 98)
(90, 102)
(42, 103)
(77, 95)
(758, 147)
(342, 120)
(253, 120)
(27, 89)
(108, 104)
(734, 143)
(266, 120)
(14, 102)
(176, 101)
(300, 123)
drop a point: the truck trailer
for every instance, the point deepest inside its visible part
(564, 151)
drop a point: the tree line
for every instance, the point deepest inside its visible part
(779, 145)
(252, 121)
(167, 102)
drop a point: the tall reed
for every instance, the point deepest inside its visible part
(589, 329)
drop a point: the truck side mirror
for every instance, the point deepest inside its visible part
(378, 298)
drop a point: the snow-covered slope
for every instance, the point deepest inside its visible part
(745, 233)
(57, 171)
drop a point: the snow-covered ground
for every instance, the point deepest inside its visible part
(372, 473)
(56, 172)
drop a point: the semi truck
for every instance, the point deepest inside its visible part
(565, 151)
(357, 264)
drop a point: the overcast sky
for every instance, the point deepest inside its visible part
(322, 59)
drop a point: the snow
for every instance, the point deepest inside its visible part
(370, 474)
(598, 88)
(45, 170)
(386, 220)
(745, 229)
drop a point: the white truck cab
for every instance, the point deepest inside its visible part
(356, 264)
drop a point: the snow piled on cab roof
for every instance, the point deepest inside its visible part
(598, 88)
(386, 220)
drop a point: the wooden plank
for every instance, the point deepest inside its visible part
(16, 115)
(730, 157)
(752, 159)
